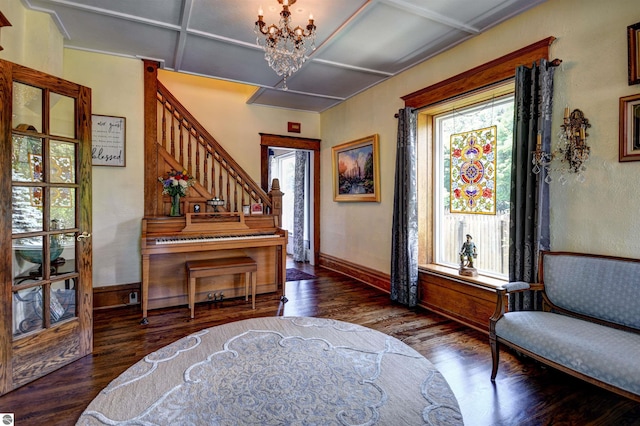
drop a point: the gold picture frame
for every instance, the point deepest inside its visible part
(633, 37)
(630, 128)
(356, 170)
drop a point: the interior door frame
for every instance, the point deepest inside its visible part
(70, 340)
(278, 141)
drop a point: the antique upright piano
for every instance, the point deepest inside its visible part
(167, 243)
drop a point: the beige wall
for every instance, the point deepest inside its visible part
(598, 216)
(116, 89)
(222, 108)
(33, 40)
(41, 49)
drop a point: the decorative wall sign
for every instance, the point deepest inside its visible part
(473, 171)
(630, 128)
(108, 141)
(356, 170)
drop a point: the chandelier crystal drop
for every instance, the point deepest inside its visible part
(285, 49)
(572, 152)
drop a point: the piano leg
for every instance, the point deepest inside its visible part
(282, 276)
(145, 289)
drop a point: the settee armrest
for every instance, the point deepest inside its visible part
(511, 287)
(517, 286)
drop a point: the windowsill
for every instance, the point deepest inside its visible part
(480, 280)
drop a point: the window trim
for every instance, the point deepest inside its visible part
(426, 174)
(452, 273)
(462, 86)
(482, 76)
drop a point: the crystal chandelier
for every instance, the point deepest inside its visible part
(285, 48)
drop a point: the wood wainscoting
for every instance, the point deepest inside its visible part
(470, 301)
(366, 275)
(115, 295)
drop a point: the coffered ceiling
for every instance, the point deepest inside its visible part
(359, 43)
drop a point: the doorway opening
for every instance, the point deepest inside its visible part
(292, 168)
(280, 156)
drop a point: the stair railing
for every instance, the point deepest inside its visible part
(184, 143)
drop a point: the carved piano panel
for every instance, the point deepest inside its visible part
(168, 283)
(167, 243)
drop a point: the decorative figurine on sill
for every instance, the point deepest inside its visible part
(468, 252)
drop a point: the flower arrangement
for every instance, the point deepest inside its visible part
(176, 183)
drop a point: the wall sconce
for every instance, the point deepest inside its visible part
(572, 151)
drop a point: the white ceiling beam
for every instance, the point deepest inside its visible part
(431, 15)
(185, 17)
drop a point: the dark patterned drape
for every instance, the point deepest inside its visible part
(404, 233)
(298, 206)
(529, 221)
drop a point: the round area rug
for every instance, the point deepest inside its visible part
(279, 371)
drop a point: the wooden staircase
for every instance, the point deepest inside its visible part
(175, 140)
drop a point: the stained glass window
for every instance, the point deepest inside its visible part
(473, 171)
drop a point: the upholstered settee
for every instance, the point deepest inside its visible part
(590, 323)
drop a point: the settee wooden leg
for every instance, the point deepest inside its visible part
(495, 356)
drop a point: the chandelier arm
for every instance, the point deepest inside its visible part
(261, 28)
(285, 48)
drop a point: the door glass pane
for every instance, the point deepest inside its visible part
(55, 250)
(27, 310)
(62, 162)
(62, 300)
(27, 208)
(27, 107)
(64, 262)
(63, 207)
(62, 115)
(27, 258)
(26, 159)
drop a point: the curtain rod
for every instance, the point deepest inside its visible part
(556, 62)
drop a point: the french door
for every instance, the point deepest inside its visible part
(45, 205)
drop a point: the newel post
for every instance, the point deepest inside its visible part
(276, 201)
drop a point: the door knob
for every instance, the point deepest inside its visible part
(83, 236)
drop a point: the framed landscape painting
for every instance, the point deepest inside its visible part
(356, 170)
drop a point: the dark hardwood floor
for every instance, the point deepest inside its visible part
(524, 393)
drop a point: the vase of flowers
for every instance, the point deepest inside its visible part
(175, 185)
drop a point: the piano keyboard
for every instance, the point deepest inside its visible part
(210, 238)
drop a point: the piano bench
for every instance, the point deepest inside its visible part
(223, 266)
